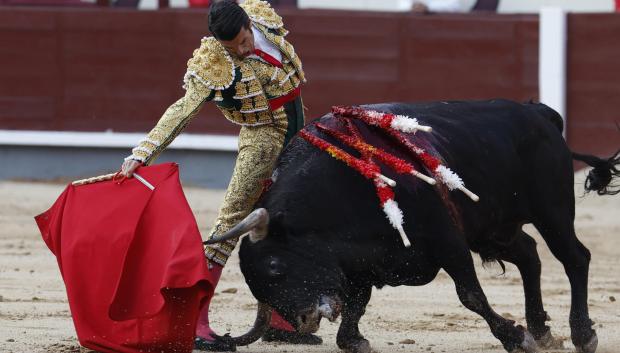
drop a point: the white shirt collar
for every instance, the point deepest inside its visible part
(260, 42)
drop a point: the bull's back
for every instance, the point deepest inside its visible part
(499, 148)
(477, 135)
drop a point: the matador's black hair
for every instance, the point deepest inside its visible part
(226, 18)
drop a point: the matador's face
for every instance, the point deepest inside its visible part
(242, 45)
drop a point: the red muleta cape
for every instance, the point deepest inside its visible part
(132, 262)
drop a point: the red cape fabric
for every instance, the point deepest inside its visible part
(132, 262)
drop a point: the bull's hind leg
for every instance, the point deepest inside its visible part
(523, 254)
(553, 212)
(552, 208)
(563, 243)
(349, 337)
(459, 264)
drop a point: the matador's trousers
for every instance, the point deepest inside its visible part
(259, 148)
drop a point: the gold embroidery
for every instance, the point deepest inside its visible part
(212, 65)
(285, 82)
(241, 89)
(260, 103)
(246, 72)
(247, 105)
(275, 81)
(218, 96)
(247, 89)
(280, 119)
(263, 117)
(295, 81)
(261, 12)
(300, 72)
(254, 86)
(262, 71)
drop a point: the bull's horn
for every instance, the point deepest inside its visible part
(256, 223)
(261, 324)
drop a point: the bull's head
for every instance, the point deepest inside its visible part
(288, 272)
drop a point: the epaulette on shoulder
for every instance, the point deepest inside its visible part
(211, 65)
(262, 13)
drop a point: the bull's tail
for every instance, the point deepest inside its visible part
(602, 178)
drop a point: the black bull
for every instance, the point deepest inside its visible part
(323, 242)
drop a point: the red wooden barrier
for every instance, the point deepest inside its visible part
(593, 84)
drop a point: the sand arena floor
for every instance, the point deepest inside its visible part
(35, 317)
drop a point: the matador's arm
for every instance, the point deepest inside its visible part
(174, 120)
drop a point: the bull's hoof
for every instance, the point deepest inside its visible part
(589, 347)
(547, 341)
(528, 345)
(361, 346)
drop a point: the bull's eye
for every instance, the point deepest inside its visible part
(276, 267)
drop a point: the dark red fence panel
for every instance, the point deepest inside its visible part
(593, 83)
(354, 58)
(94, 70)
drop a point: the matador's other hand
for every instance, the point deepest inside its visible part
(128, 167)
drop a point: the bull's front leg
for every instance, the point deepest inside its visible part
(349, 337)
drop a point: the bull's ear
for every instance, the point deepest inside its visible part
(259, 232)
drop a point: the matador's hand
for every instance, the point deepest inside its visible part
(128, 167)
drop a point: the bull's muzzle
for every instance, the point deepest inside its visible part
(330, 307)
(308, 320)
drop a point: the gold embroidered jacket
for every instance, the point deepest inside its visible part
(241, 88)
